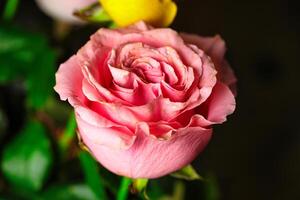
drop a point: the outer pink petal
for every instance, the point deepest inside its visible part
(69, 79)
(149, 157)
(102, 131)
(95, 57)
(219, 105)
(214, 47)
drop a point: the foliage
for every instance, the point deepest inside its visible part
(68, 192)
(28, 57)
(27, 159)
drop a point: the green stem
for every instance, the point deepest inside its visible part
(10, 9)
(124, 188)
(68, 134)
(179, 191)
(211, 187)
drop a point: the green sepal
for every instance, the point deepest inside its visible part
(187, 173)
(140, 186)
(93, 13)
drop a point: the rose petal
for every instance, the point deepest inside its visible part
(154, 37)
(164, 109)
(116, 113)
(102, 91)
(170, 74)
(124, 78)
(103, 132)
(68, 79)
(220, 104)
(214, 47)
(149, 157)
(181, 95)
(94, 57)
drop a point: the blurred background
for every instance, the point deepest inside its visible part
(254, 155)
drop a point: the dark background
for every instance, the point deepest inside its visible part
(256, 154)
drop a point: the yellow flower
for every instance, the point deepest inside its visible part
(159, 13)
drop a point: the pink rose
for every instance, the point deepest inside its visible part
(63, 9)
(146, 99)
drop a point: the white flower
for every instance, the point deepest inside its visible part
(62, 10)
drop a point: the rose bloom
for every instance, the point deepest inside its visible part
(146, 99)
(63, 9)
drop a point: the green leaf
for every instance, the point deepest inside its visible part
(27, 56)
(69, 192)
(40, 81)
(27, 159)
(93, 13)
(10, 9)
(187, 173)
(92, 176)
(13, 54)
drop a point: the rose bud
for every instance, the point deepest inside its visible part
(145, 99)
(62, 10)
(159, 13)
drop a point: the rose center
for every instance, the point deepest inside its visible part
(150, 64)
(147, 68)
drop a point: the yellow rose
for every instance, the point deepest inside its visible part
(159, 13)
